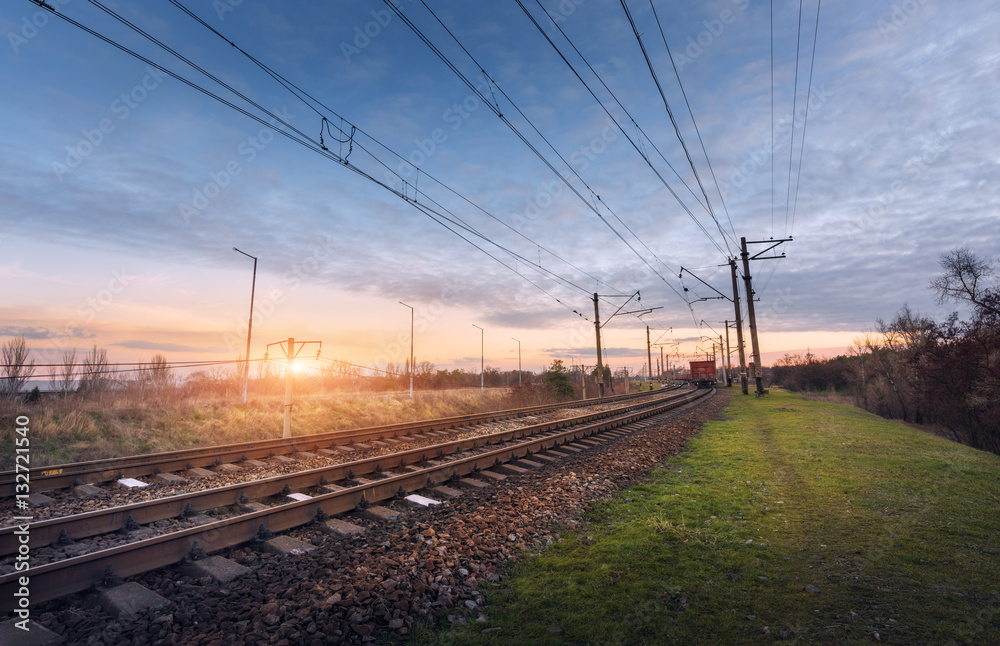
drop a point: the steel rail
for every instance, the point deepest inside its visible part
(104, 521)
(54, 477)
(68, 576)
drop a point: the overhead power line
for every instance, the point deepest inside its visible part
(673, 121)
(634, 143)
(534, 149)
(292, 133)
(697, 130)
(805, 117)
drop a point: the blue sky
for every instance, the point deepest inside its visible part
(123, 190)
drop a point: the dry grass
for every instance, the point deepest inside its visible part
(75, 429)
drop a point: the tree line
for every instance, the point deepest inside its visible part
(945, 374)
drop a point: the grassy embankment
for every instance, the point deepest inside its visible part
(71, 430)
(791, 520)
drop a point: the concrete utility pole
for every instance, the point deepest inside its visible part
(289, 369)
(748, 288)
(253, 288)
(290, 354)
(729, 358)
(518, 361)
(649, 358)
(739, 329)
(725, 375)
(411, 345)
(597, 332)
(482, 358)
(758, 370)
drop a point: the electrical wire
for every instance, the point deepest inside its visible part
(634, 143)
(795, 96)
(805, 118)
(454, 68)
(303, 139)
(670, 113)
(299, 93)
(697, 130)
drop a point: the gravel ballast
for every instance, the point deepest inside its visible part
(431, 565)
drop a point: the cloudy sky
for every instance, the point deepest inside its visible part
(466, 170)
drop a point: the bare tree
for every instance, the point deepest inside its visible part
(967, 277)
(17, 369)
(63, 379)
(94, 372)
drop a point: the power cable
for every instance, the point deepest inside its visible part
(670, 113)
(805, 118)
(305, 140)
(299, 93)
(795, 96)
(454, 68)
(634, 143)
(697, 130)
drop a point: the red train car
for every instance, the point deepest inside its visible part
(703, 373)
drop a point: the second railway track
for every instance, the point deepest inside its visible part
(392, 475)
(54, 477)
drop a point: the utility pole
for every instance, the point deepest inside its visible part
(755, 346)
(518, 361)
(482, 358)
(597, 332)
(411, 345)
(758, 371)
(739, 329)
(290, 354)
(649, 359)
(725, 375)
(729, 358)
(253, 288)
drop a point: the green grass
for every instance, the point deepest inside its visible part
(898, 530)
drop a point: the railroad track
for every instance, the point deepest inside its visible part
(50, 478)
(333, 490)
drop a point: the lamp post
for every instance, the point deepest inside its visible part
(518, 361)
(411, 345)
(253, 287)
(482, 358)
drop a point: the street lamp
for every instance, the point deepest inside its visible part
(253, 287)
(518, 361)
(411, 345)
(482, 358)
